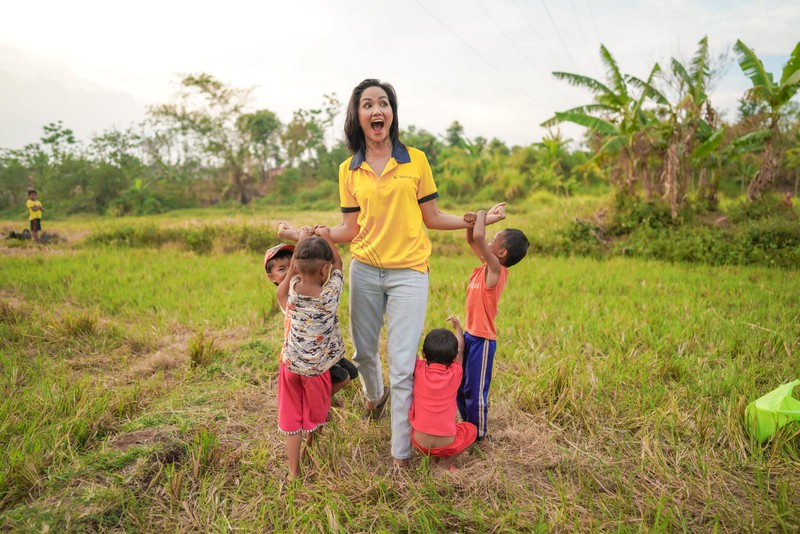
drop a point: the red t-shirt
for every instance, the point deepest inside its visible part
(433, 409)
(482, 302)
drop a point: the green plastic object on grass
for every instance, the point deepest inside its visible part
(770, 412)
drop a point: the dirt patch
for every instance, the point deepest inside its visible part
(145, 436)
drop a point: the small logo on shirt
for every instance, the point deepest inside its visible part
(403, 177)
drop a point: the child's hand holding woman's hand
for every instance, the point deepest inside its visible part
(306, 231)
(322, 231)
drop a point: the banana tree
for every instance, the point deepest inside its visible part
(617, 117)
(775, 96)
(693, 126)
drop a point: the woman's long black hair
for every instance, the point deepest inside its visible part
(353, 133)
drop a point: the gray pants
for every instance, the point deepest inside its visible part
(401, 295)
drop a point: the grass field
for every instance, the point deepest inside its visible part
(138, 393)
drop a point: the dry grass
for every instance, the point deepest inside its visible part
(616, 405)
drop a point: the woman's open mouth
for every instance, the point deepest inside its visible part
(377, 126)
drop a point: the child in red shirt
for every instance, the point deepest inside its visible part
(434, 430)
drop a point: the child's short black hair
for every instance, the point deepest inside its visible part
(311, 253)
(440, 346)
(516, 245)
(280, 255)
(32, 191)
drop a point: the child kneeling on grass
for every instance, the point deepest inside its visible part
(434, 430)
(313, 341)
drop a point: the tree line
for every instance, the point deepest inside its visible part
(657, 137)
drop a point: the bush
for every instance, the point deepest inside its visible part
(764, 232)
(631, 212)
(201, 240)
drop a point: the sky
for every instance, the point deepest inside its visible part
(485, 63)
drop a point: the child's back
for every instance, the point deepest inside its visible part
(313, 344)
(433, 409)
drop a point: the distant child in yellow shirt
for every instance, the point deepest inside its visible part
(34, 213)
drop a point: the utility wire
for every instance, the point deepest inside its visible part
(527, 58)
(583, 35)
(558, 33)
(530, 62)
(594, 22)
(533, 28)
(489, 63)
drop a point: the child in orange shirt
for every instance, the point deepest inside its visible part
(486, 285)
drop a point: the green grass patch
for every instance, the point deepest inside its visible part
(138, 391)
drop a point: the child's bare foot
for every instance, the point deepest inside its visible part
(336, 402)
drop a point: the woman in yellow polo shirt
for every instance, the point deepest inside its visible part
(388, 199)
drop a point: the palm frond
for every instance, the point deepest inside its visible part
(578, 80)
(612, 145)
(593, 123)
(753, 68)
(752, 140)
(680, 72)
(549, 123)
(793, 79)
(700, 68)
(613, 73)
(709, 145)
(791, 71)
(647, 88)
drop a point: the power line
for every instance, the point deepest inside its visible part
(594, 21)
(558, 33)
(530, 62)
(489, 63)
(583, 35)
(548, 79)
(533, 29)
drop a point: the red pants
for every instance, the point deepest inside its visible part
(465, 436)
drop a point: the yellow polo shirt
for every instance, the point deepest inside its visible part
(32, 213)
(392, 234)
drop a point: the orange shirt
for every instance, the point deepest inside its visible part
(482, 303)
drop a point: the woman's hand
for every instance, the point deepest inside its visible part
(496, 213)
(287, 232)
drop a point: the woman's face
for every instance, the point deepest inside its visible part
(375, 114)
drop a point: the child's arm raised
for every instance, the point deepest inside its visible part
(283, 287)
(481, 248)
(325, 233)
(459, 336)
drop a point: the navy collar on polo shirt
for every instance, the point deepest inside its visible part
(399, 153)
